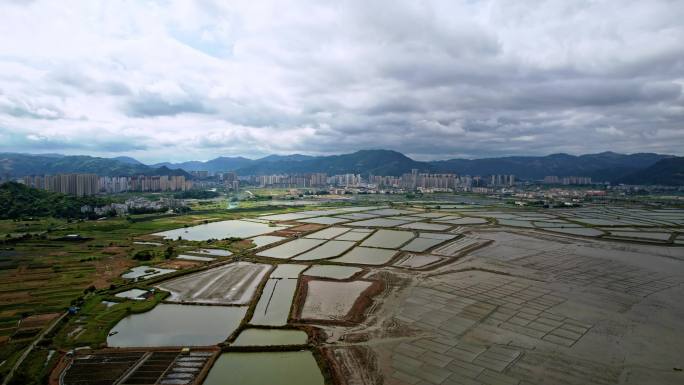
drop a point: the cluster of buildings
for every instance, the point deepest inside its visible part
(72, 184)
(91, 184)
(567, 180)
(408, 182)
(132, 205)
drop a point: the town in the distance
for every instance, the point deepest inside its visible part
(355, 269)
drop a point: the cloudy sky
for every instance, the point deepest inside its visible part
(181, 80)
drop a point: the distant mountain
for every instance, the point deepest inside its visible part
(606, 166)
(377, 162)
(669, 171)
(220, 164)
(127, 159)
(17, 165)
(285, 158)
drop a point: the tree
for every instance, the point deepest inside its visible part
(168, 253)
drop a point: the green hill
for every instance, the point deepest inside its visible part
(19, 201)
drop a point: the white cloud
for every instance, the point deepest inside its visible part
(178, 80)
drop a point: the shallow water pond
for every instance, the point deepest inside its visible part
(421, 244)
(587, 232)
(273, 307)
(145, 272)
(264, 240)
(366, 256)
(326, 300)
(189, 257)
(270, 337)
(388, 239)
(425, 226)
(265, 368)
(177, 325)
(327, 250)
(379, 222)
(329, 233)
(290, 249)
(220, 230)
(287, 271)
(332, 271)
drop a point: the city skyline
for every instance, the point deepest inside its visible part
(193, 80)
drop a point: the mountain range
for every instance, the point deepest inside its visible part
(17, 165)
(640, 168)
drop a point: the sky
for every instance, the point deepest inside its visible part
(193, 80)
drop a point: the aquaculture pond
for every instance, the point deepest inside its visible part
(287, 271)
(290, 249)
(177, 325)
(332, 271)
(231, 284)
(327, 250)
(463, 221)
(221, 230)
(270, 337)
(273, 307)
(326, 300)
(265, 368)
(421, 244)
(388, 239)
(145, 272)
(329, 233)
(189, 257)
(264, 240)
(366, 256)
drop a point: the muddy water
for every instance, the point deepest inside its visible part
(177, 325)
(270, 337)
(220, 230)
(265, 368)
(331, 300)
